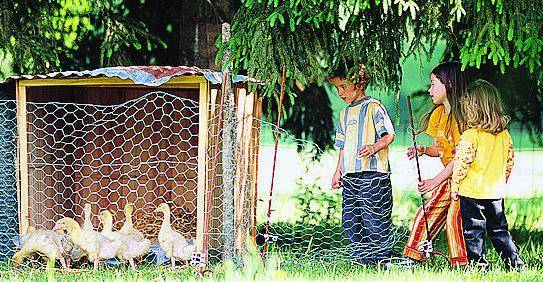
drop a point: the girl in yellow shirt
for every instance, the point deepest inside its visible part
(482, 165)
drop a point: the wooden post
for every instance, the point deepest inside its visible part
(202, 167)
(255, 149)
(22, 158)
(229, 132)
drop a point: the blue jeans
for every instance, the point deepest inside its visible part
(366, 215)
(480, 216)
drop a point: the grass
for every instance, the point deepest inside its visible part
(525, 222)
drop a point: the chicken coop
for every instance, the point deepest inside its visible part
(140, 135)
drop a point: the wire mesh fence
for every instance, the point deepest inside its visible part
(85, 161)
(147, 151)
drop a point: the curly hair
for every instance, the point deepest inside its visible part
(356, 73)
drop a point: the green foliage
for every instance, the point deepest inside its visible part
(310, 37)
(45, 35)
(317, 206)
(503, 33)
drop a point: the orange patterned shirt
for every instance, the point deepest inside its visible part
(444, 129)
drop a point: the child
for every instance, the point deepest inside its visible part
(363, 135)
(447, 86)
(483, 163)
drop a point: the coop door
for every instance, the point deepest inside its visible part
(110, 146)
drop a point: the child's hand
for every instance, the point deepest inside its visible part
(454, 196)
(427, 185)
(336, 180)
(366, 151)
(411, 151)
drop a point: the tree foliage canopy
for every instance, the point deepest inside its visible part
(312, 37)
(44, 35)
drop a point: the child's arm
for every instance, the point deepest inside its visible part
(465, 154)
(340, 142)
(382, 143)
(337, 175)
(428, 185)
(510, 162)
(431, 151)
(384, 129)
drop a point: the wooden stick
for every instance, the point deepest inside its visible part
(266, 232)
(413, 134)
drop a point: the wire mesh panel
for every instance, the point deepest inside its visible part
(8, 182)
(312, 221)
(231, 205)
(143, 152)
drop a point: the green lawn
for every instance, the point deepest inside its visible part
(524, 218)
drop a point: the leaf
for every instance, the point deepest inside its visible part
(272, 19)
(281, 18)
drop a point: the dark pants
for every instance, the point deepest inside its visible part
(366, 215)
(480, 215)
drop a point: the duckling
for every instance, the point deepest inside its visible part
(76, 253)
(45, 242)
(107, 226)
(132, 246)
(96, 245)
(137, 244)
(174, 245)
(128, 226)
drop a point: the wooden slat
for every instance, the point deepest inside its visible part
(176, 82)
(23, 158)
(255, 148)
(202, 169)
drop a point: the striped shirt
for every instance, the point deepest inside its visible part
(362, 123)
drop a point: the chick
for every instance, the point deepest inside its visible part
(96, 245)
(174, 245)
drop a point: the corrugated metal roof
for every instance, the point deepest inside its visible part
(143, 75)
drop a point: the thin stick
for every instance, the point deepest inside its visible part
(283, 78)
(418, 164)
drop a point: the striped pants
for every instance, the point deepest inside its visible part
(440, 211)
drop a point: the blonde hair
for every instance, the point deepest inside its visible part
(483, 108)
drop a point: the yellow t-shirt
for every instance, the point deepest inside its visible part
(444, 129)
(482, 164)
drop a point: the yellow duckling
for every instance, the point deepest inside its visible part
(133, 246)
(174, 245)
(95, 245)
(45, 242)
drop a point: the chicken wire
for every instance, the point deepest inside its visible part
(145, 152)
(325, 225)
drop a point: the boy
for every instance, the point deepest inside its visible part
(363, 135)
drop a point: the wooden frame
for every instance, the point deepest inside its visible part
(22, 158)
(182, 82)
(202, 165)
